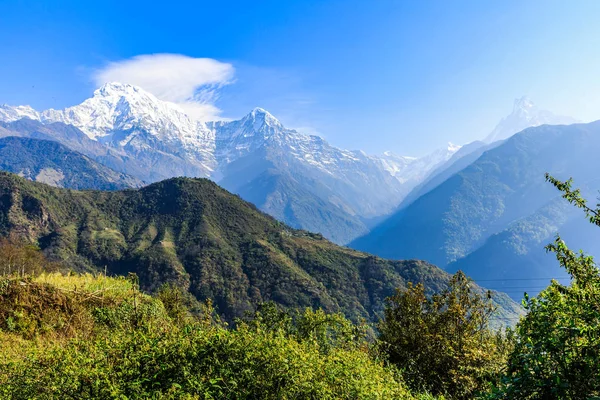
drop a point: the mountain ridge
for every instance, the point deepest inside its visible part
(118, 107)
(50, 162)
(525, 114)
(498, 208)
(306, 182)
(191, 232)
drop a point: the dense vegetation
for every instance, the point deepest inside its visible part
(94, 337)
(192, 233)
(97, 337)
(443, 343)
(84, 336)
(70, 335)
(52, 163)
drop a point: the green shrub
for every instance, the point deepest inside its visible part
(130, 348)
(199, 362)
(442, 343)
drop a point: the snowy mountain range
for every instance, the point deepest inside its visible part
(298, 178)
(127, 117)
(133, 121)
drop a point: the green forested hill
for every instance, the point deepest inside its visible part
(196, 234)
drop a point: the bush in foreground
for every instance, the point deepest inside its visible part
(443, 343)
(124, 345)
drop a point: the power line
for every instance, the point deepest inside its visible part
(518, 287)
(518, 279)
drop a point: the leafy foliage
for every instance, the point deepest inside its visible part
(128, 346)
(327, 331)
(558, 343)
(443, 343)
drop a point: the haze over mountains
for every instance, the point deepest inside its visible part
(50, 162)
(524, 115)
(493, 217)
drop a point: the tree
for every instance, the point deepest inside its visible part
(19, 258)
(442, 343)
(557, 352)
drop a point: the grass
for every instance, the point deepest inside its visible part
(59, 306)
(108, 234)
(109, 288)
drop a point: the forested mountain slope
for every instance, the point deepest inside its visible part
(199, 236)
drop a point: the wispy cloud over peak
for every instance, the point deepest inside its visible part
(192, 83)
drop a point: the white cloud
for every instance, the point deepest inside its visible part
(192, 83)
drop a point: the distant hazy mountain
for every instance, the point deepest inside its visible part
(525, 114)
(76, 140)
(412, 170)
(301, 179)
(459, 160)
(52, 163)
(514, 260)
(501, 195)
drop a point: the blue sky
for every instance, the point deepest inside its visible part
(405, 76)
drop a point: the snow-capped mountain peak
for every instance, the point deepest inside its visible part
(118, 89)
(10, 114)
(523, 104)
(118, 107)
(132, 120)
(135, 122)
(237, 138)
(258, 111)
(525, 114)
(392, 155)
(261, 118)
(414, 169)
(453, 148)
